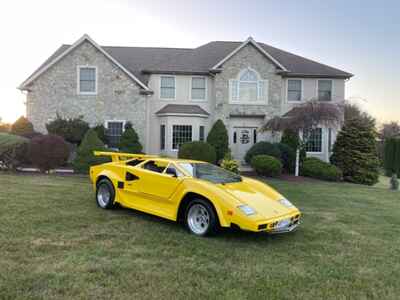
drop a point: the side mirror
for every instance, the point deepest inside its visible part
(171, 171)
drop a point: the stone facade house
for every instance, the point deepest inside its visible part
(174, 95)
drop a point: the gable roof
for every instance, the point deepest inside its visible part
(50, 62)
(182, 109)
(139, 62)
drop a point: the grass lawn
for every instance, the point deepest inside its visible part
(56, 243)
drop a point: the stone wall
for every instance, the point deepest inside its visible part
(249, 56)
(55, 91)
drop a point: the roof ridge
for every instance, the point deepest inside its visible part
(145, 47)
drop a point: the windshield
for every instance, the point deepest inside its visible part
(210, 172)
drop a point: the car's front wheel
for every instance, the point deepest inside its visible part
(105, 194)
(200, 218)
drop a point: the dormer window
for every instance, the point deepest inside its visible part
(87, 80)
(248, 88)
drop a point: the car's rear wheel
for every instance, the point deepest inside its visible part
(105, 194)
(200, 218)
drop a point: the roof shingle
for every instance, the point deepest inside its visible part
(182, 109)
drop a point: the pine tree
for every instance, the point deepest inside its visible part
(85, 156)
(130, 141)
(218, 138)
(355, 152)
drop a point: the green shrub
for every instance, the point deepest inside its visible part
(288, 157)
(101, 132)
(355, 152)
(265, 148)
(130, 141)
(266, 165)
(85, 157)
(13, 150)
(198, 151)
(218, 138)
(71, 129)
(22, 127)
(316, 168)
(228, 163)
(48, 152)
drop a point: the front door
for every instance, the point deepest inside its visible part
(243, 139)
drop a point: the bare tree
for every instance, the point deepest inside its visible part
(306, 117)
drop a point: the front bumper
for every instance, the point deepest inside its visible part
(288, 228)
(273, 225)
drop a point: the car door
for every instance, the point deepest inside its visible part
(151, 189)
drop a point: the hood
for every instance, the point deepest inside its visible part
(259, 196)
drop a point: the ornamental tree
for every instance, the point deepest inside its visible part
(306, 117)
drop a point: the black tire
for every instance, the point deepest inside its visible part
(105, 194)
(208, 211)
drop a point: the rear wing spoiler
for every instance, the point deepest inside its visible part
(118, 156)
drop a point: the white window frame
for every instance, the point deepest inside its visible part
(257, 101)
(317, 89)
(172, 135)
(78, 85)
(115, 121)
(322, 141)
(159, 85)
(302, 90)
(206, 89)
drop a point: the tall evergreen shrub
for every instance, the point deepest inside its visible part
(355, 152)
(218, 138)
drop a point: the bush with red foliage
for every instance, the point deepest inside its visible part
(48, 152)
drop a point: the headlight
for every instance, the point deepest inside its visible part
(247, 210)
(286, 202)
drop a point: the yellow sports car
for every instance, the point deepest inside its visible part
(203, 196)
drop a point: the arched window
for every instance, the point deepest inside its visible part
(248, 87)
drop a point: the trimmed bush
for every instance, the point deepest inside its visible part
(265, 148)
(130, 141)
(288, 157)
(48, 152)
(13, 150)
(85, 157)
(218, 138)
(198, 151)
(316, 168)
(228, 163)
(101, 132)
(22, 127)
(71, 129)
(266, 165)
(355, 152)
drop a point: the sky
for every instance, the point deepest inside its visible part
(361, 37)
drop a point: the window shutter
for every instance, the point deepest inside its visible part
(234, 90)
(262, 92)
